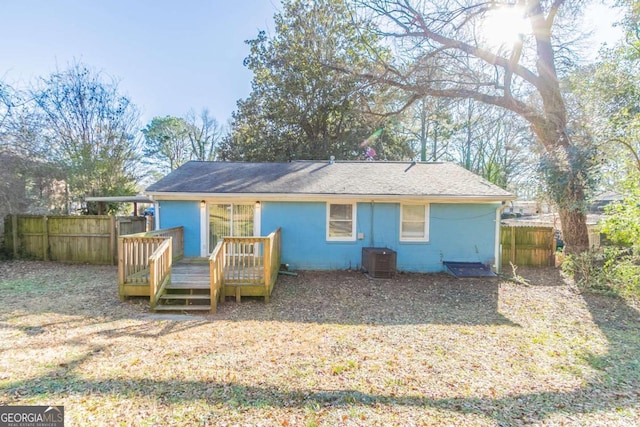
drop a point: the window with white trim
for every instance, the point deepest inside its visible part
(414, 223)
(341, 221)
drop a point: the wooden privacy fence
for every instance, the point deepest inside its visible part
(82, 239)
(528, 246)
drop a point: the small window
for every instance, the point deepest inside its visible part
(414, 223)
(341, 224)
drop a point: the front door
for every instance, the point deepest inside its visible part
(228, 219)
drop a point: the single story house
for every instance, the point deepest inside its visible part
(329, 211)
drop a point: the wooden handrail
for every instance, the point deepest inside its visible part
(176, 232)
(216, 274)
(249, 261)
(271, 261)
(133, 259)
(160, 270)
(146, 258)
(134, 251)
(244, 259)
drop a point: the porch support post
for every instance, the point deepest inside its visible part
(204, 235)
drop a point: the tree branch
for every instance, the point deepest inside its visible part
(487, 56)
(553, 11)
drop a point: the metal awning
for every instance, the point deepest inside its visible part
(139, 198)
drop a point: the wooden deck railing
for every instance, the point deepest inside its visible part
(272, 261)
(134, 251)
(160, 270)
(249, 263)
(216, 275)
(245, 261)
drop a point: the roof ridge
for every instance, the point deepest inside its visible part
(324, 161)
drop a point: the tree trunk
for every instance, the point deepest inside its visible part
(566, 185)
(574, 230)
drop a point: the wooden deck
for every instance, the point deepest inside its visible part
(151, 265)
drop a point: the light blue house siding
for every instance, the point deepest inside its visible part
(457, 232)
(176, 213)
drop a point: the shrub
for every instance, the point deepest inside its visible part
(612, 270)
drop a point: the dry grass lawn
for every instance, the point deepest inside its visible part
(331, 349)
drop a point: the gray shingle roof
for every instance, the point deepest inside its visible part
(324, 178)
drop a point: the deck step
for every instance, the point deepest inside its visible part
(188, 285)
(186, 296)
(163, 307)
(190, 277)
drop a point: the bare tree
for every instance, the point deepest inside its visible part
(5, 105)
(447, 55)
(429, 126)
(491, 142)
(204, 134)
(89, 130)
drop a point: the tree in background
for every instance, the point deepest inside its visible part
(204, 134)
(443, 50)
(89, 129)
(492, 142)
(609, 94)
(5, 104)
(429, 125)
(167, 144)
(29, 181)
(301, 106)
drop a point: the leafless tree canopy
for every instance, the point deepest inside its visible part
(443, 50)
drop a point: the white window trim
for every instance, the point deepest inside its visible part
(426, 223)
(354, 216)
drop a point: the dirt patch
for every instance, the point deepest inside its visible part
(332, 348)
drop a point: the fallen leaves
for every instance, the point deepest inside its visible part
(332, 348)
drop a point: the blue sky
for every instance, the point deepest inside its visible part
(170, 56)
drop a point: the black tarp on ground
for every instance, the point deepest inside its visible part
(468, 269)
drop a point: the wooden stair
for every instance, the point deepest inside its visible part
(189, 288)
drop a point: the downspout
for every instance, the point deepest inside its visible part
(371, 240)
(498, 247)
(156, 215)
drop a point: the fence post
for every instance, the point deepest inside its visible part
(45, 238)
(113, 249)
(14, 234)
(513, 244)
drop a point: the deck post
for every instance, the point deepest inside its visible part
(267, 268)
(121, 272)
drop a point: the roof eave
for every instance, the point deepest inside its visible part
(442, 198)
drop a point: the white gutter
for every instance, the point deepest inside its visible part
(291, 197)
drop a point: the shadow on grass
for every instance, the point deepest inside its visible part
(617, 388)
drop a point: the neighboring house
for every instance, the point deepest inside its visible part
(602, 200)
(328, 211)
